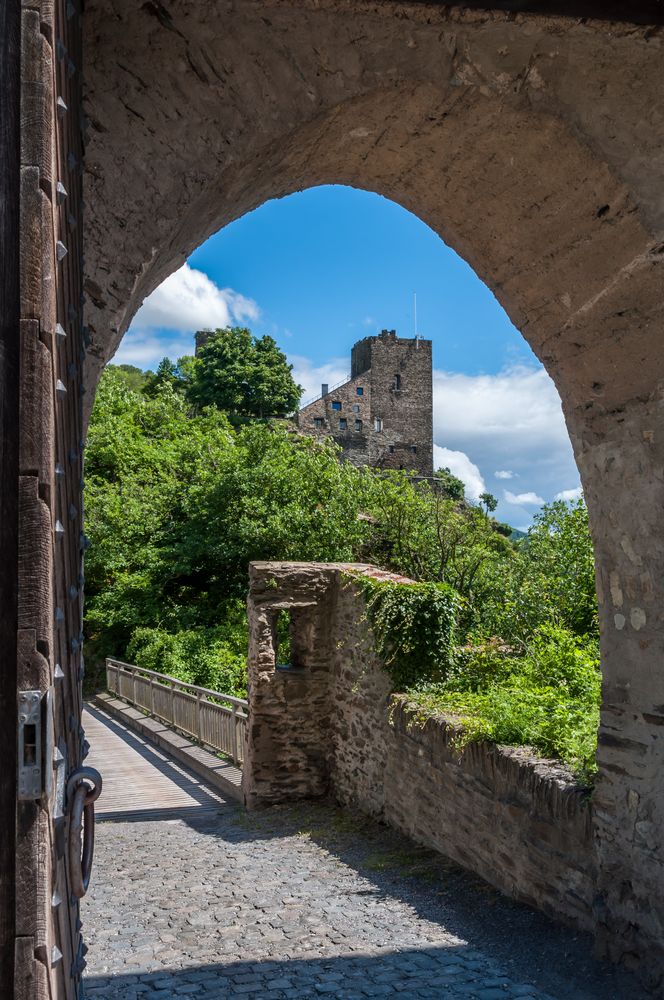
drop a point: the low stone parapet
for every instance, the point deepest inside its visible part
(327, 722)
(519, 821)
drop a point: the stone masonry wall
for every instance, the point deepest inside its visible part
(331, 725)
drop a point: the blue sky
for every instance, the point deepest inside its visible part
(320, 269)
(331, 264)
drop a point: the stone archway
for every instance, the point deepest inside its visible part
(532, 145)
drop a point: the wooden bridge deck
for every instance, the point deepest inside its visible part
(140, 781)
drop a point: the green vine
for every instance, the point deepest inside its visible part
(413, 628)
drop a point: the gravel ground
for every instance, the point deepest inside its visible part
(312, 900)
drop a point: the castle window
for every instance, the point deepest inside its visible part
(397, 381)
(378, 423)
(358, 425)
(391, 449)
(343, 424)
(414, 449)
(336, 405)
(360, 390)
(318, 422)
(356, 408)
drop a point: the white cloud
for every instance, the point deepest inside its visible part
(504, 474)
(519, 499)
(569, 494)
(311, 377)
(461, 466)
(145, 349)
(188, 300)
(510, 421)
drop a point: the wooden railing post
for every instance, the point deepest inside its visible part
(234, 727)
(227, 718)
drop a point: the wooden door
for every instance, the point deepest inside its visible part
(41, 540)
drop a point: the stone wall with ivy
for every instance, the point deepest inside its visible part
(330, 720)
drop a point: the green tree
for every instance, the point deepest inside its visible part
(174, 374)
(143, 454)
(275, 495)
(134, 377)
(430, 537)
(553, 578)
(243, 375)
(450, 484)
(489, 501)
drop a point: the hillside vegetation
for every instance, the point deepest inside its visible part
(181, 496)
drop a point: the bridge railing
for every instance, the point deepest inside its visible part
(214, 719)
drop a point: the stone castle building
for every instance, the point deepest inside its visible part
(383, 415)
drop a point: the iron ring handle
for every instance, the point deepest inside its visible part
(85, 774)
(82, 817)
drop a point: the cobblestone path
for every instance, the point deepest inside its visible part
(312, 901)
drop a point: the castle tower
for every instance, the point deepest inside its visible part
(383, 415)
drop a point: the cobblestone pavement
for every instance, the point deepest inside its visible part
(311, 901)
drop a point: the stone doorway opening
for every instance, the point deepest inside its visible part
(511, 139)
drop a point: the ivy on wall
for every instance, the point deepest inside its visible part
(413, 625)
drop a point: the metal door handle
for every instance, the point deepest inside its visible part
(81, 799)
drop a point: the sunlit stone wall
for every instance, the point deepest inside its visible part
(327, 723)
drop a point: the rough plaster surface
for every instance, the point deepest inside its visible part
(534, 147)
(518, 821)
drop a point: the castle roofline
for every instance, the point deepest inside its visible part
(390, 335)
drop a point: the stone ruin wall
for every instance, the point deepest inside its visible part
(330, 726)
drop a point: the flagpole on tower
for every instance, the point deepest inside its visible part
(417, 336)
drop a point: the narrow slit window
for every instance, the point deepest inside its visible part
(358, 425)
(397, 381)
(293, 639)
(378, 423)
(282, 640)
(343, 424)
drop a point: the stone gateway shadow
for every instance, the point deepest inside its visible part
(301, 901)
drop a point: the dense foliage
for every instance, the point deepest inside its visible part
(180, 499)
(413, 627)
(545, 696)
(243, 375)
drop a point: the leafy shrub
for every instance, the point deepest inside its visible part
(413, 626)
(548, 698)
(214, 658)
